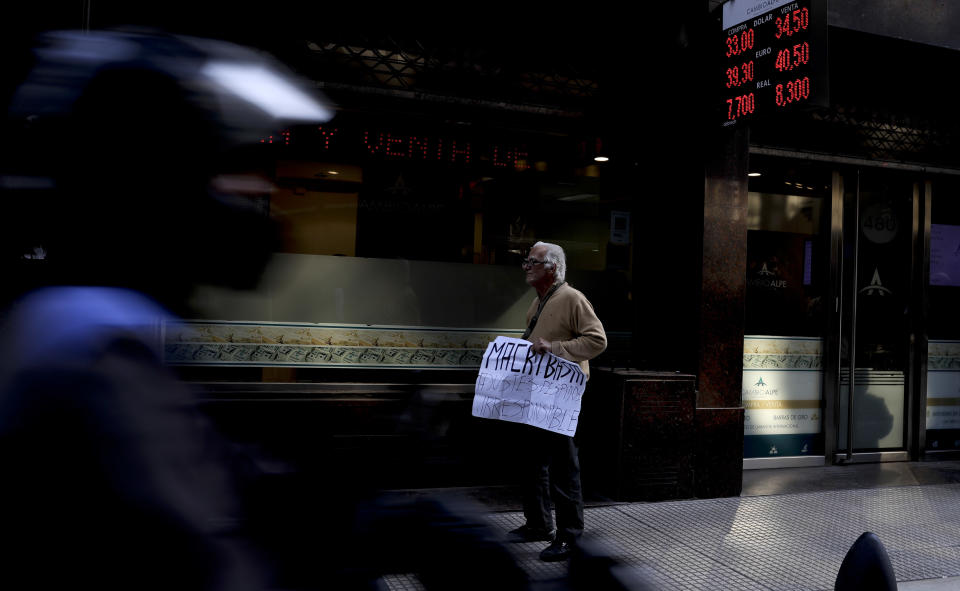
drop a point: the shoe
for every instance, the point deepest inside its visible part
(557, 551)
(525, 533)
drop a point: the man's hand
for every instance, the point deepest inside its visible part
(542, 346)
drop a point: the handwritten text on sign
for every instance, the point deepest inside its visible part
(515, 384)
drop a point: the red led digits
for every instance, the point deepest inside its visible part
(796, 21)
(791, 92)
(772, 61)
(733, 46)
(783, 60)
(737, 44)
(733, 77)
(739, 106)
(790, 58)
(801, 53)
(738, 75)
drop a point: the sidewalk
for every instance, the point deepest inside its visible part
(793, 541)
(790, 541)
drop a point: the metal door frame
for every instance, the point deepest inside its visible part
(839, 327)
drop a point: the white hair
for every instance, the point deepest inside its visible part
(557, 260)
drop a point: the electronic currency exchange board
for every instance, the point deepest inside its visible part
(774, 57)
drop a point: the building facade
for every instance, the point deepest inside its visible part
(751, 271)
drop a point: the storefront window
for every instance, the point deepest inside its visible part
(787, 270)
(401, 246)
(943, 353)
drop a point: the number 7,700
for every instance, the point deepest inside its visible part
(744, 106)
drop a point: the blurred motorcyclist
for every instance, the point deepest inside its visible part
(117, 146)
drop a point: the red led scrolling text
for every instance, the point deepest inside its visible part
(414, 147)
(284, 139)
(438, 149)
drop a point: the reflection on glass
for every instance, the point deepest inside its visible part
(879, 217)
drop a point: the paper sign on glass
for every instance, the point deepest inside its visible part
(539, 389)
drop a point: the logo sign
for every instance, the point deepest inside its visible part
(767, 277)
(876, 286)
(879, 223)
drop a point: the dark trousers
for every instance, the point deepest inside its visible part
(551, 470)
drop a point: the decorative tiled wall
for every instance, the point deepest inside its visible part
(943, 390)
(325, 345)
(781, 353)
(943, 355)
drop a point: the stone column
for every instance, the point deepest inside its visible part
(719, 415)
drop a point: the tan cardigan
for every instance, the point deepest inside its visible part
(570, 324)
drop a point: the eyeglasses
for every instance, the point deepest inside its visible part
(530, 262)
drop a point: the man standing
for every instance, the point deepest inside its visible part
(560, 321)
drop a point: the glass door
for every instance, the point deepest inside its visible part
(831, 368)
(879, 228)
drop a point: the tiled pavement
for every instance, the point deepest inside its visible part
(779, 542)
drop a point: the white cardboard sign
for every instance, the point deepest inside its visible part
(539, 389)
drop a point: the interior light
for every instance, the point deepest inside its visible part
(333, 172)
(753, 174)
(601, 159)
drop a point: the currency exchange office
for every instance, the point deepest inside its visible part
(851, 251)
